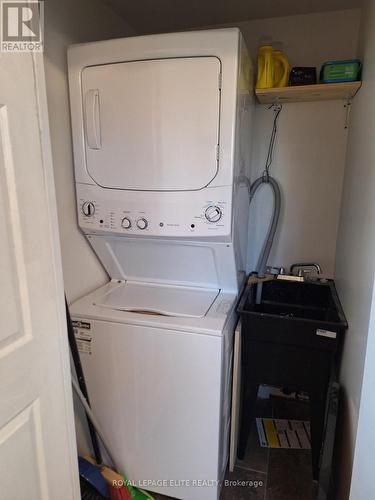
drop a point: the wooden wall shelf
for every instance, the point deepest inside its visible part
(301, 93)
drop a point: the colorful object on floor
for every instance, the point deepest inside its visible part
(91, 474)
(282, 433)
(88, 492)
(340, 71)
(273, 68)
(138, 493)
(120, 488)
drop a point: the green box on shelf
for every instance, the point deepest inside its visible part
(340, 71)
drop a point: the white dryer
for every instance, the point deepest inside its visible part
(161, 132)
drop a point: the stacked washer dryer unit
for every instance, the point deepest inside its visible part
(161, 146)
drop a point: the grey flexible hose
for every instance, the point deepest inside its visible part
(265, 253)
(267, 179)
(93, 420)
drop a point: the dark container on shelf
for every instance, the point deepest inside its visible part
(302, 76)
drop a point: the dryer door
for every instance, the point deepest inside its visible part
(152, 125)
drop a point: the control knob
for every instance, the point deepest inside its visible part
(126, 223)
(142, 223)
(213, 213)
(88, 209)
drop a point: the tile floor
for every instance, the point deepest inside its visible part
(276, 474)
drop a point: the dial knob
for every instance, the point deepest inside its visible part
(213, 213)
(126, 223)
(88, 209)
(142, 223)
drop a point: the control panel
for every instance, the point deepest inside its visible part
(202, 213)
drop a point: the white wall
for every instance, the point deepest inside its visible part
(310, 148)
(362, 486)
(355, 268)
(309, 166)
(68, 22)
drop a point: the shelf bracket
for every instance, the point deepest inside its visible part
(347, 106)
(276, 106)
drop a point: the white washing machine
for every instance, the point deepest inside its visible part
(159, 384)
(161, 132)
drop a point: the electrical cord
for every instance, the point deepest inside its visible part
(278, 108)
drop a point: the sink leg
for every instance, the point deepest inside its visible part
(317, 417)
(249, 394)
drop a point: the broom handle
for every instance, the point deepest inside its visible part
(94, 422)
(82, 383)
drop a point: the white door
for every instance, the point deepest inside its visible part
(152, 125)
(37, 438)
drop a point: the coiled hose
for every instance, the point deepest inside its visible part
(253, 188)
(265, 253)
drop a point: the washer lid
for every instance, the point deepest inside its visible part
(165, 300)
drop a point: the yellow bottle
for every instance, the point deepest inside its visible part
(281, 69)
(266, 76)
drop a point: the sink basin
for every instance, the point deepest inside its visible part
(291, 336)
(302, 313)
(298, 299)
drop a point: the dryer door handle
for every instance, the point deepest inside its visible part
(92, 119)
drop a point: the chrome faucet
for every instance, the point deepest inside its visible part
(303, 265)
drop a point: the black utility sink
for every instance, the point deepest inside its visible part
(302, 313)
(291, 335)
